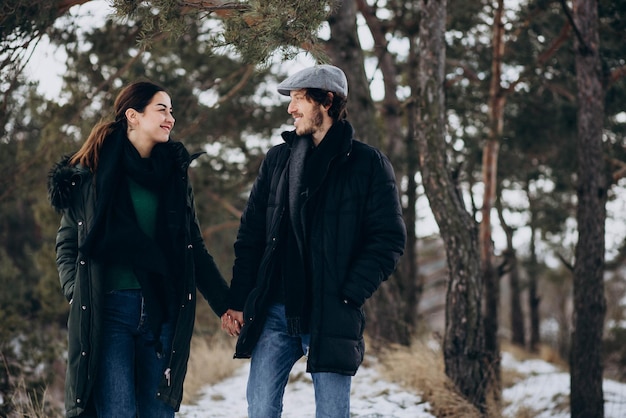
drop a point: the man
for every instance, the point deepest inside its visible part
(321, 230)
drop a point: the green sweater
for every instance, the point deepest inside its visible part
(122, 276)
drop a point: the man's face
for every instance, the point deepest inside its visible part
(308, 116)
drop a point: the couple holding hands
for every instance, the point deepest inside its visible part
(321, 230)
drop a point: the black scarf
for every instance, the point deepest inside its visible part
(308, 169)
(116, 235)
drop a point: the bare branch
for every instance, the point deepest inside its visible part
(225, 204)
(621, 170)
(468, 73)
(207, 232)
(560, 40)
(617, 74)
(222, 9)
(248, 71)
(544, 56)
(565, 262)
(584, 48)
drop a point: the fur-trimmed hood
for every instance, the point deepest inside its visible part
(61, 178)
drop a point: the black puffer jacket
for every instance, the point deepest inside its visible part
(71, 191)
(356, 237)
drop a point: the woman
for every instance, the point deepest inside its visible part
(130, 256)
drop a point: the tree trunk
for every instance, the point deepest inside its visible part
(344, 49)
(589, 303)
(415, 283)
(386, 310)
(398, 150)
(463, 344)
(533, 270)
(518, 334)
(511, 267)
(490, 174)
(391, 110)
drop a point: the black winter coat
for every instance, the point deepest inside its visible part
(71, 191)
(356, 237)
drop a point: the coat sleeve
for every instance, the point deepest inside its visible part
(67, 253)
(208, 278)
(383, 235)
(251, 237)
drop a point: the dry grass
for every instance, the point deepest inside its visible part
(27, 404)
(525, 413)
(421, 368)
(209, 362)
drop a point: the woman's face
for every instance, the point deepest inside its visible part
(153, 125)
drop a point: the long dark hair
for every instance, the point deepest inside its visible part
(136, 96)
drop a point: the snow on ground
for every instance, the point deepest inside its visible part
(372, 397)
(543, 390)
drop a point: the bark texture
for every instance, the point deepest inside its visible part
(387, 309)
(463, 344)
(589, 301)
(345, 52)
(491, 149)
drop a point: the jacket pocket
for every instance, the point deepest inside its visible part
(339, 355)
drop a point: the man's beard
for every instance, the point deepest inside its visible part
(315, 123)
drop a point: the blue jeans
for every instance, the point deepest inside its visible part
(130, 369)
(273, 358)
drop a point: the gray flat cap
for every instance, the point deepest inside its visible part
(324, 77)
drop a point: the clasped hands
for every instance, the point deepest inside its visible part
(232, 321)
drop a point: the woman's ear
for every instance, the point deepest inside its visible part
(131, 116)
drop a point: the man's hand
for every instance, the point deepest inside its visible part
(232, 321)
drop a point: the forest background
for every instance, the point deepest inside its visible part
(510, 138)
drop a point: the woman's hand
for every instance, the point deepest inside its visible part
(232, 321)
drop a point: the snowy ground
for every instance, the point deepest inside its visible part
(543, 389)
(371, 397)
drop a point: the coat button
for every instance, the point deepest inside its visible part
(80, 223)
(82, 262)
(84, 353)
(189, 247)
(77, 400)
(84, 307)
